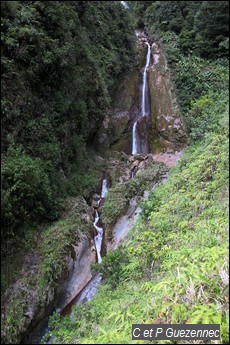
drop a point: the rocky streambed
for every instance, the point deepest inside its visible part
(123, 171)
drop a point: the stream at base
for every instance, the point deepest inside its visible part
(91, 287)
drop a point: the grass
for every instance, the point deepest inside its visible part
(174, 266)
(117, 200)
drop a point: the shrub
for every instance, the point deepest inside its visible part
(26, 192)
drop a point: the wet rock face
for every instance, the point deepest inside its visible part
(168, 125)
(164, 128)
(144, 133)
(115, 133)
(25, 299)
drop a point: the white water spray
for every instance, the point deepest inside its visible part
(104, 189)
(99, 237)
(90, 290)
(143, 102)
(134, 144)
(144, 107)
(124, 3)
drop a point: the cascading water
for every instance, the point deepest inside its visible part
(144, 86)
(134, 144)
(90, 289)
(99, 237)
(104, 189)
(144, 104)
(124, 3)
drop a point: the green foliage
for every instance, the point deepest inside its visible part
(116, 204)
(139, 8)
(48, 269)
(64, 57)
(190, 33)
(27, 195)
(60, 61)
(173, 268)
(203, 117)
(55, 242)
(195, 77)
(112, 266)
(80, 182)
(211, 24)
(202, 26)
(202, 88)
(118, 197)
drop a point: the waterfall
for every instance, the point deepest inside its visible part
(90, 289)
(104, 189)
(134, 148)
(124, 3)
(144, 88)
(145, 107)
(99, 237)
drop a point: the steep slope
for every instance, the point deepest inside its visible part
(174, 266)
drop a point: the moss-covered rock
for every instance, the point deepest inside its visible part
(45, 271)
(165, 128)
(116, 130)
(143, 173)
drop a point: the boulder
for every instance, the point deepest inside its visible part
(142, 164)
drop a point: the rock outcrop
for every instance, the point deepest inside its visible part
(164, 128)
(168, 127)
(36, 293)
(27, 303)
(115, 133)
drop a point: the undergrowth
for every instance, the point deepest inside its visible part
(117, 200)
(174, 265)
(44, 272)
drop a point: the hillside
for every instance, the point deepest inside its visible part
(75, 80)
(173, 267)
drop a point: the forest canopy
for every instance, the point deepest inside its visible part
(202, 26)
(60, 62)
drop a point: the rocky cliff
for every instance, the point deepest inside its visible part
(165, 128)
(168, 127)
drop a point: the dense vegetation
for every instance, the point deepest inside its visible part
(202, 27)
(60, 62)
(173, 267)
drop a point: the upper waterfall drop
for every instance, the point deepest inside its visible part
(145, 89)
(139, 135)
(124, 3)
